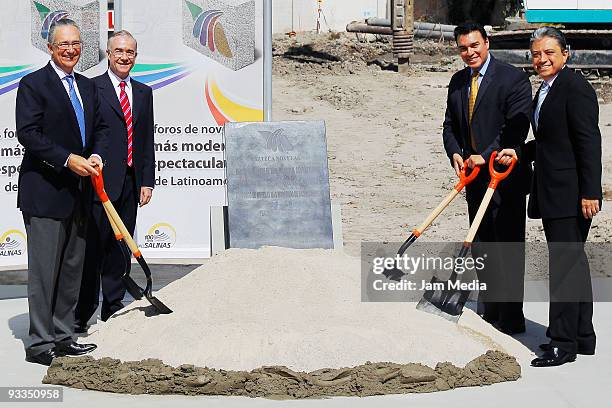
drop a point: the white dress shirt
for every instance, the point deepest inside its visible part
(116, 85)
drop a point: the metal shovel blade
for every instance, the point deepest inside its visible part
(158, 305)
(425, 306)
(132, 287)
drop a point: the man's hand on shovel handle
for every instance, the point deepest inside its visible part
(81, 165)
(505, 156)
(457, 163)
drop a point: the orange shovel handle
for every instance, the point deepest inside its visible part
(98, 184)
(496, 176)
(464, 178)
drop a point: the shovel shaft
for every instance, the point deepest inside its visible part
(118, 234)
(110, 210)
(434, 214)
(479, 216)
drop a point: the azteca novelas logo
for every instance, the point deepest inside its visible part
(207, 29)
(276, 141)
(12, 243)
(160, 235)
(48, 17)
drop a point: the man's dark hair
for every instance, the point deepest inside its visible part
(551, 32)
(466, 28)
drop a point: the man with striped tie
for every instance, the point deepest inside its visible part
(58, 122)
(129, 177)
(488, 108)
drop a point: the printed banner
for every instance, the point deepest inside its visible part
(204, 60)
(24, 27)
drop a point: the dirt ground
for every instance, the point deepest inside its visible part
(277, 382)
(388, 168)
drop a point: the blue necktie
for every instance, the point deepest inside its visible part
(543, 92)
(76, 104)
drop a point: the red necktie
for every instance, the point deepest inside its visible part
(127, 114)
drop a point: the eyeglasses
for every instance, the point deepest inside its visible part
(120, 53)
(65, 45)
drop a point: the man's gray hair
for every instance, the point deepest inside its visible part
(60, 23)
(122, 33)
(550, 32)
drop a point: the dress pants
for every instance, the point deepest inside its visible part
(56, 250)
(570, 316)
(104, 261)
(501, 241)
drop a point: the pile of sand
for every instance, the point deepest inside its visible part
(296, 308)
(296, 311)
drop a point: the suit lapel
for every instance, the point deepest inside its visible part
(110, 95)
(552, 94)
(487, 79)
(534, 106)
(137, 96)
(464, 94)
(87, 105)
(58, 89)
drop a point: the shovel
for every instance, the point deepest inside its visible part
(395, 273)
(123, 236)
(446, 301)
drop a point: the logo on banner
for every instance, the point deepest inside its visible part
(48, 17)
(207, 29)
(224, 109)
(160, 235)
(12, 243)
(160, 75)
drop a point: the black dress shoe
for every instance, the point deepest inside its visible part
(554, 357)
(79, 329)
(584, 352)
(75, 349)
(44, 358)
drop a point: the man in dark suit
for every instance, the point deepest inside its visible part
(129, 177)
(58, 123)
(566, 192)
(488, 107)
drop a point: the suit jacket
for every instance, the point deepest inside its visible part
(566, 149)
(143, 150)
(48, 129)
(501, 118)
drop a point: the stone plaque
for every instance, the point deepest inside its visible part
(278, 185)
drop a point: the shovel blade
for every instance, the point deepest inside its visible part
(158, 305)
(393, 274)
(454, 302)
(132, 287)
(425, 306)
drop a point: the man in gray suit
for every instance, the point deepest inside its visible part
(58, 123)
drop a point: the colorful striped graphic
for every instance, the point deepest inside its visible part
(11, 75)
(160, 75)
(48, 18)
(225, 109)
(208, 30)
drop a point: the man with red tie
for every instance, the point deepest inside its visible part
(129, 176)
